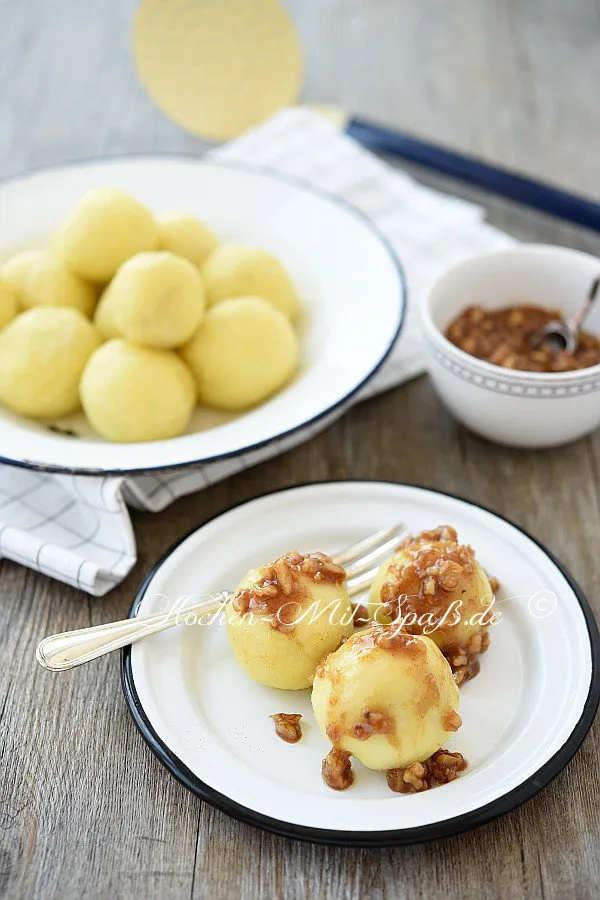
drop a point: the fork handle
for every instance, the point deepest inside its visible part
(60, 652)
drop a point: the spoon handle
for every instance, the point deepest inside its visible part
(60, 652)
(577, 320)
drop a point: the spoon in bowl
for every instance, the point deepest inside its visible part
(559, 335)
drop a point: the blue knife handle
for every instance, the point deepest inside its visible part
(534, 194)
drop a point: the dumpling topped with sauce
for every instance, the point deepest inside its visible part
(433, 585)
(284, 617)
(386, 697)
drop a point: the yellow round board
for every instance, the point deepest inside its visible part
(217, 67)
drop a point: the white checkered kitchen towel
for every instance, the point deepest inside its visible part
(77, 528)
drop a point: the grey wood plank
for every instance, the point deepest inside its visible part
(509, 81)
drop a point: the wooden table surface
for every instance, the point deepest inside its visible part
(85, 809)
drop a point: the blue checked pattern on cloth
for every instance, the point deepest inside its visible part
(77, 528)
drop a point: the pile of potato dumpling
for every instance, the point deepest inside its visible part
(136, 319)
(386, 694)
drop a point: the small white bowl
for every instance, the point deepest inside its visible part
(519, 409)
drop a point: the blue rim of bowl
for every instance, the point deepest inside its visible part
(436, 830)
(267, 172)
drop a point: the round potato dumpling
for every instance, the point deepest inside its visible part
(8, 305)
(106, 228)
(186, 236)
(386, 697)
(132, 393)
(155, 299)
(285, 616)
(234, 271)
(15, 270)
(435, 586)
(244, 351)
(42, 355)
(48, 282)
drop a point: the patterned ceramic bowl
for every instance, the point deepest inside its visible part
(517, 408)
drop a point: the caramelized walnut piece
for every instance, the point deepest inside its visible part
(318, 565)
(449, 573)
(452, 721)
(475, 644)
(284, 576)
(360, 615)
(465, 673)
(390, 637)
(438, 556)
(287, 726)
(464, 661)
(334, 732)
(374, 721)
(277, 591)
(432, 568)
(429, 586)
(410, 780)
(445, 766)
(444, 533)
(337, 770)
(441, 768)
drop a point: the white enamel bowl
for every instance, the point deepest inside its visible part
(349, 280)
(523, 716)
(520, 409)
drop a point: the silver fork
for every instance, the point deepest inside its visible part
(68, 649)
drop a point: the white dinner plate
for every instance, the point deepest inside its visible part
(348, 278)
(524, 716)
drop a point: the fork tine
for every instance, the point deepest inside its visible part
(368, 545)
(374, 558)
(362, 582)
